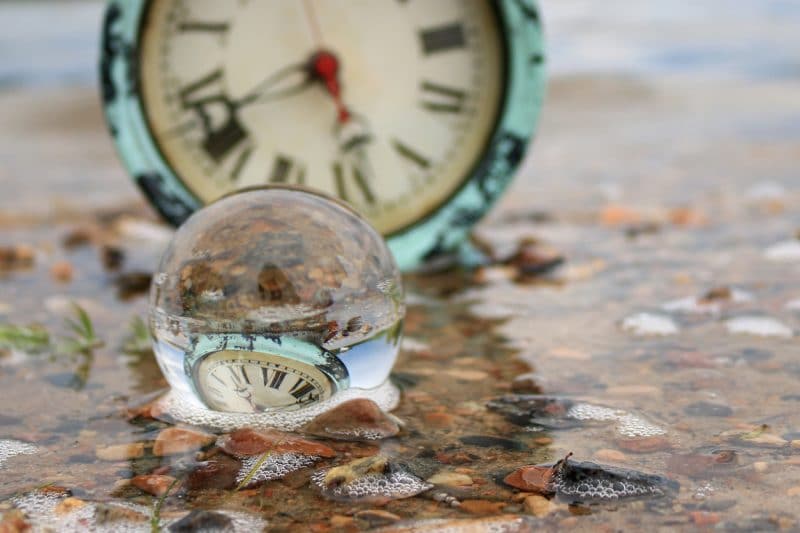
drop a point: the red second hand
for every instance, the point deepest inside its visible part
(326, 67)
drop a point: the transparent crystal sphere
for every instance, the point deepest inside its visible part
(275, 299)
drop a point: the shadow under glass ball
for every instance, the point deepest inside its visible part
(275, 298)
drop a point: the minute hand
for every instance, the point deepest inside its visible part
(287, 81)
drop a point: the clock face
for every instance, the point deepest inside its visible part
(249, 382)
(388, 104)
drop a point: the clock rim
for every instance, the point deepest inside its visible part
(439, 232)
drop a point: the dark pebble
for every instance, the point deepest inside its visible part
(132, 284)
(487, 441)
(217, 473)
(707, 409)
(199, 520)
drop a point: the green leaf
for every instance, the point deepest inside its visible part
(25, 338)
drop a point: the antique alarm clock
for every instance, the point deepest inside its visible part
(414, 112)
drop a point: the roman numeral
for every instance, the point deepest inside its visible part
(222, 131)
(219, 379)
(441, 98)
(359, 178)
(298, 393)
(277, 378)
(241, 161)
(443, 38)
(286, 170)
(410, 154)
(213, 27)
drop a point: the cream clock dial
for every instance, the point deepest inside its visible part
(388, 104)
(249, 382)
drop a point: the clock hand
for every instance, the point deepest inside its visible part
(285, 82)
(325, 67)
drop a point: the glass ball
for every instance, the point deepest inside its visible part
(275, 299)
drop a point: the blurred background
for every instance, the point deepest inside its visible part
(650, 102)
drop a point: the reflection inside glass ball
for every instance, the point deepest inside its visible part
(275, 298)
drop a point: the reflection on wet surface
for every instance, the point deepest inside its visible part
(642, 314)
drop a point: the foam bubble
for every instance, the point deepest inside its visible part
(41, 511)
(396, 484)
(628, 424)
(10, 448)
(386, 395)
(275, 466)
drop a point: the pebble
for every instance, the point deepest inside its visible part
(761, 466)
(62, 271)
(376, 518)
(610, 456)
(120, 452)
(105, 513)
(759, 326)
(439, 420)
(18, 256)
(467, 375)
(177, 441)
(539, 505)
(217, 473)
(704, 518)
(569, 353)
(702, 465)
(532, 478)
(357, 420)
(647, 324)
(450, 479)
(245, 442)
(14, 522)
(616, 215)
(67, 505)
(784, 251)
(202, 520)
(482, 506)
(154, 484)
(793, 491)
(651, 444)
(707, 409)
(502, 523)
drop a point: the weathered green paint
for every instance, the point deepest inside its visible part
(444, 232)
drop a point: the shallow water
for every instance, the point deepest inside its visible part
(665, 173)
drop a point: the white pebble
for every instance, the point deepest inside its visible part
(760, 326)
(784, 251)
(649, 324)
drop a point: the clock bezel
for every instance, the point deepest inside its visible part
(438, 233)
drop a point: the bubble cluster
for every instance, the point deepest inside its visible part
(628, 424)
(649, 324)
(395, 484)
(386, 396)
(275, 466)
(588, 482)
(10, 448)
(43, 513)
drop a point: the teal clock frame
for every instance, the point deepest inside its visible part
(441, 233)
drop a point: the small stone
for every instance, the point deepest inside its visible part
(784, 251)
(538, 479)
(539, 505)
(356, 420)
(450, 479)
(760, 466)
(217, 473)
(564, 352)
(645, 444)
(793, 491)
(376, 518)
(120, 452)
(704, 518)
(482, 506)
(526, 384)
(177, 441)
(534, 259)
(246, 442)
(105, 513)
(616, 215)
(68, 505)
(502, 523)
(707, 409)
(759, 326)
(18, 256)
(467, 375)
(201, 520)
(439, 420)
(795, 444)
(702, 465)
(62, 271)
(649, 324)
(14, 522)
(610, 456)
(339, 521)
(154, 484)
